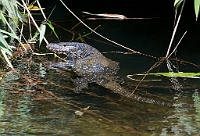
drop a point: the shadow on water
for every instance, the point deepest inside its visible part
(47, 104)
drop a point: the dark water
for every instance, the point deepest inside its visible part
(22, 113)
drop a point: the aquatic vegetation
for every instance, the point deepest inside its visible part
(14, 14)
(175, 74)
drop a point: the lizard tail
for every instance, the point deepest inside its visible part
(116, 88)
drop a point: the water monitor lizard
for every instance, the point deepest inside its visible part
(91, 66)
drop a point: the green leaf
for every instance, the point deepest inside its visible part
(52, 28)
(12, 9)
(4, 45)
(196, 8)
(177, 3)
(42, 32)
(2, 17)
(34, 37)
(20, 16)
(10, 34)
(177, 74)
(3, 41)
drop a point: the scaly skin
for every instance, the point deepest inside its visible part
(91, 66)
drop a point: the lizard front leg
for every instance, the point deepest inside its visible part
(82, 83)
(68, 65)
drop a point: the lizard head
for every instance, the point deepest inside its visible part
(62, 48)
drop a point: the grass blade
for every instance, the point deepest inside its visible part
(4, 45)
(196, 8)
(42, 32)
(10, 34)
(52, 28)
(177, 3)
(2, 17)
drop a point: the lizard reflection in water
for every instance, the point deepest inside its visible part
(91, 66)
